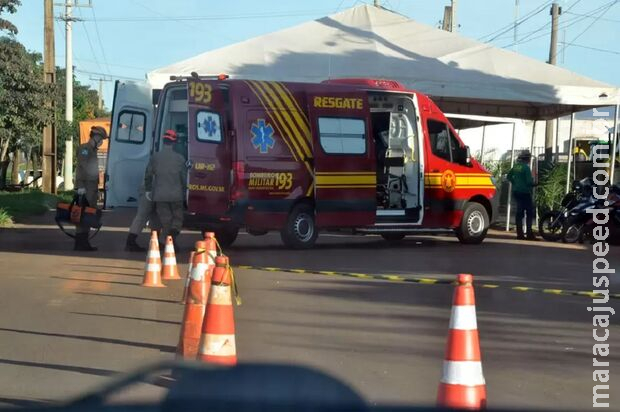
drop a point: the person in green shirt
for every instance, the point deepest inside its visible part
(522, 183)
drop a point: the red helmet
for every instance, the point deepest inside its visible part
(170, 135)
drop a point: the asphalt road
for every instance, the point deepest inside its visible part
(68, 321)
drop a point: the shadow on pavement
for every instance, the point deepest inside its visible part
(67, 368)
(96, 280)
(129, 297)
(168, 322)
(161, 348)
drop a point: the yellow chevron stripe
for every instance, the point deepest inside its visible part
(473, 180)
(290, 136)
(296, 104)
(286, 114)
(275, 121)
(330, 180)
(294, 108)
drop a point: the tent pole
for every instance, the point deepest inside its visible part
(614, 146)
(570, 152)
(556, 147)
(512, 162)
(484, 126)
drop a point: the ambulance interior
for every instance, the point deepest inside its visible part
(174, 116)
(395, 132)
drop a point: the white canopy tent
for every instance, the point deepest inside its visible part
(462, 75)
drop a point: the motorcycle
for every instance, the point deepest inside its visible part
(613, 223)
(551, 224)
(576, 219)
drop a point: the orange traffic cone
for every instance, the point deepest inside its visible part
(218, 330)
(188, 277)
(170, 272)
(462, 383)
(211, 249)
(152, 271)
(195, 305)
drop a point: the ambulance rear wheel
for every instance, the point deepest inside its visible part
(226, 236)
(300, 231)
(474, 225)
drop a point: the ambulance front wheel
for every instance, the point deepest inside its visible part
(474, 225)
(300, 231)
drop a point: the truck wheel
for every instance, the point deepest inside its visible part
(393, 237)
(226, 236)
(474, 225)
(300, 230)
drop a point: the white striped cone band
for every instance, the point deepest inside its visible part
(154, 254)
(153, 267)
(468, 373)
(211, 257)
(169, 248)
(463, 317)
(218, 345)
(198, 272)
(170, 260)
(220, 295)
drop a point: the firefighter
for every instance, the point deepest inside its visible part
(522, 183)
(145, 213)
(164, 184)
(87, 181)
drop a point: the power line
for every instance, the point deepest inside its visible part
(90, 44)
(105, 59)
(511, 26)
(211, 17)
(601, 19)
(112, 75)
(590, 25)
(595, 49)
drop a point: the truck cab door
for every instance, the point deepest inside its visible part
(130, 143)
(344, 163)
(209, 149)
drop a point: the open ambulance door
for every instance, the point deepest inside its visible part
(131, 139)
(344, 161)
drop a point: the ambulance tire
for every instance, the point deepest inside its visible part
(300, 231)
(226, 236)
(474, 225)
(393, 237)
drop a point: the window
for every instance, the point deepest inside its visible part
(342, 136)
(131, 127)
(444, 143)
(208, 127)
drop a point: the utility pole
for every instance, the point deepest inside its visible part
(516, 26)
(377, 3)
(556, 10)
(100, 92)
(453, 24)
(69, 19)
(49, 75)
(446, 23)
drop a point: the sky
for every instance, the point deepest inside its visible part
(127, 38)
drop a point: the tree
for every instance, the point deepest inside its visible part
(23, 112)
(9, 6)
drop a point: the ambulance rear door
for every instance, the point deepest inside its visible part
(209, 148)
(130, 143)
(344, 164)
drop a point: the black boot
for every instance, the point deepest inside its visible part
(82, 244)
(132, 246)
(520, 235)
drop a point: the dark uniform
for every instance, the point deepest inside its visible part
(87, 180)
(165, 184)
(520, 176)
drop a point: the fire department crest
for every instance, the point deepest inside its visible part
(448, 181)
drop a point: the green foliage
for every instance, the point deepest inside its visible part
(551, 187)
(31, 202)
(22, 100)
(8, 6)
(5, 218)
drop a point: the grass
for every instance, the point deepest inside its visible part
(19, 205)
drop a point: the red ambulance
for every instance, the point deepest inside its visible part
(362, 155)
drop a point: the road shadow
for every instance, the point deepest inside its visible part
(109, 295)
(58, 367)
(96, 281)
(98, 339)
(103, 315)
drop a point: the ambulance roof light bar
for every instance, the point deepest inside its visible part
(196, 76)
(374, 83)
